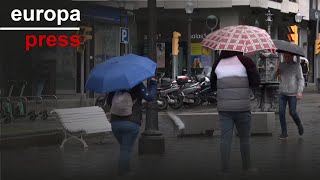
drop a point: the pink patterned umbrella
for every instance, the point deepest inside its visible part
(239, 38)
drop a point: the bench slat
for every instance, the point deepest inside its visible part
(81, 118)
(87, 127)
(79, 110)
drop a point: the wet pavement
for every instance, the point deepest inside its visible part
(185, 158)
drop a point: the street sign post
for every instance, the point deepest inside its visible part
(124, 35)
(316, 56)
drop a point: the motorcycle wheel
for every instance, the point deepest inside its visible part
(178, 100)
(164, 103)
(197, 101)
(32, 116)
(202, 100)
(44, 115)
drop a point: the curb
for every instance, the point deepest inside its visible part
(38, 138)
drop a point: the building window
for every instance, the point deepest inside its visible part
(107, 43)
(280, 1)
(293, 0)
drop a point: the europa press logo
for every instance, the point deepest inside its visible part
(49, 15)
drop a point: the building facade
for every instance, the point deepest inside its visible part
(312, 33)
(106, 17)
(172, 17)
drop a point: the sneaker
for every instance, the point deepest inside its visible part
(283, 136)
(300, 128)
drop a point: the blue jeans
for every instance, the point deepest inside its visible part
(126, 133)
(242, 120)
(292, 101)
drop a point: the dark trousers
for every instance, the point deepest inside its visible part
(242, 120)
(292, 101)
(126, 133)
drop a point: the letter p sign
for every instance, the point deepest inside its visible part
(124, 35)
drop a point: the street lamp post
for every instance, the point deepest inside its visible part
(269, 21)
(315, 59)
(298, 17)
(152, 140)
(212, 22)
(189, 10)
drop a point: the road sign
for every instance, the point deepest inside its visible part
(124, 35)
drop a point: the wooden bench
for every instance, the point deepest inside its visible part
(77, 122)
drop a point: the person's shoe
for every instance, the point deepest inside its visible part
(283, 136)
(301, 130)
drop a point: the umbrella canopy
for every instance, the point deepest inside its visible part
(240, 38)
(120, 73)
(288, 47)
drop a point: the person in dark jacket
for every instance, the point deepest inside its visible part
(126, 128)
(232, 76)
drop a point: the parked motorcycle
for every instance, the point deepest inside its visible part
(162, 103)
(208, 95)
(189, 91)
(172, 96)
(168, 94)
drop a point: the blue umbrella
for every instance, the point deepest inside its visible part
(120, 73)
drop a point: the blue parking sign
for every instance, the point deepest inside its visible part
(124, 35)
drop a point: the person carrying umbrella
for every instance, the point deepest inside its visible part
(122, 77)
(291, 84)
(232, 76)
(290, 90)
(126, 127)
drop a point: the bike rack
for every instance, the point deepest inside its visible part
(10, 101)
(53, 97)
(14, 98)
(35, 98)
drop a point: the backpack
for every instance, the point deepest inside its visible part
(122, 103)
